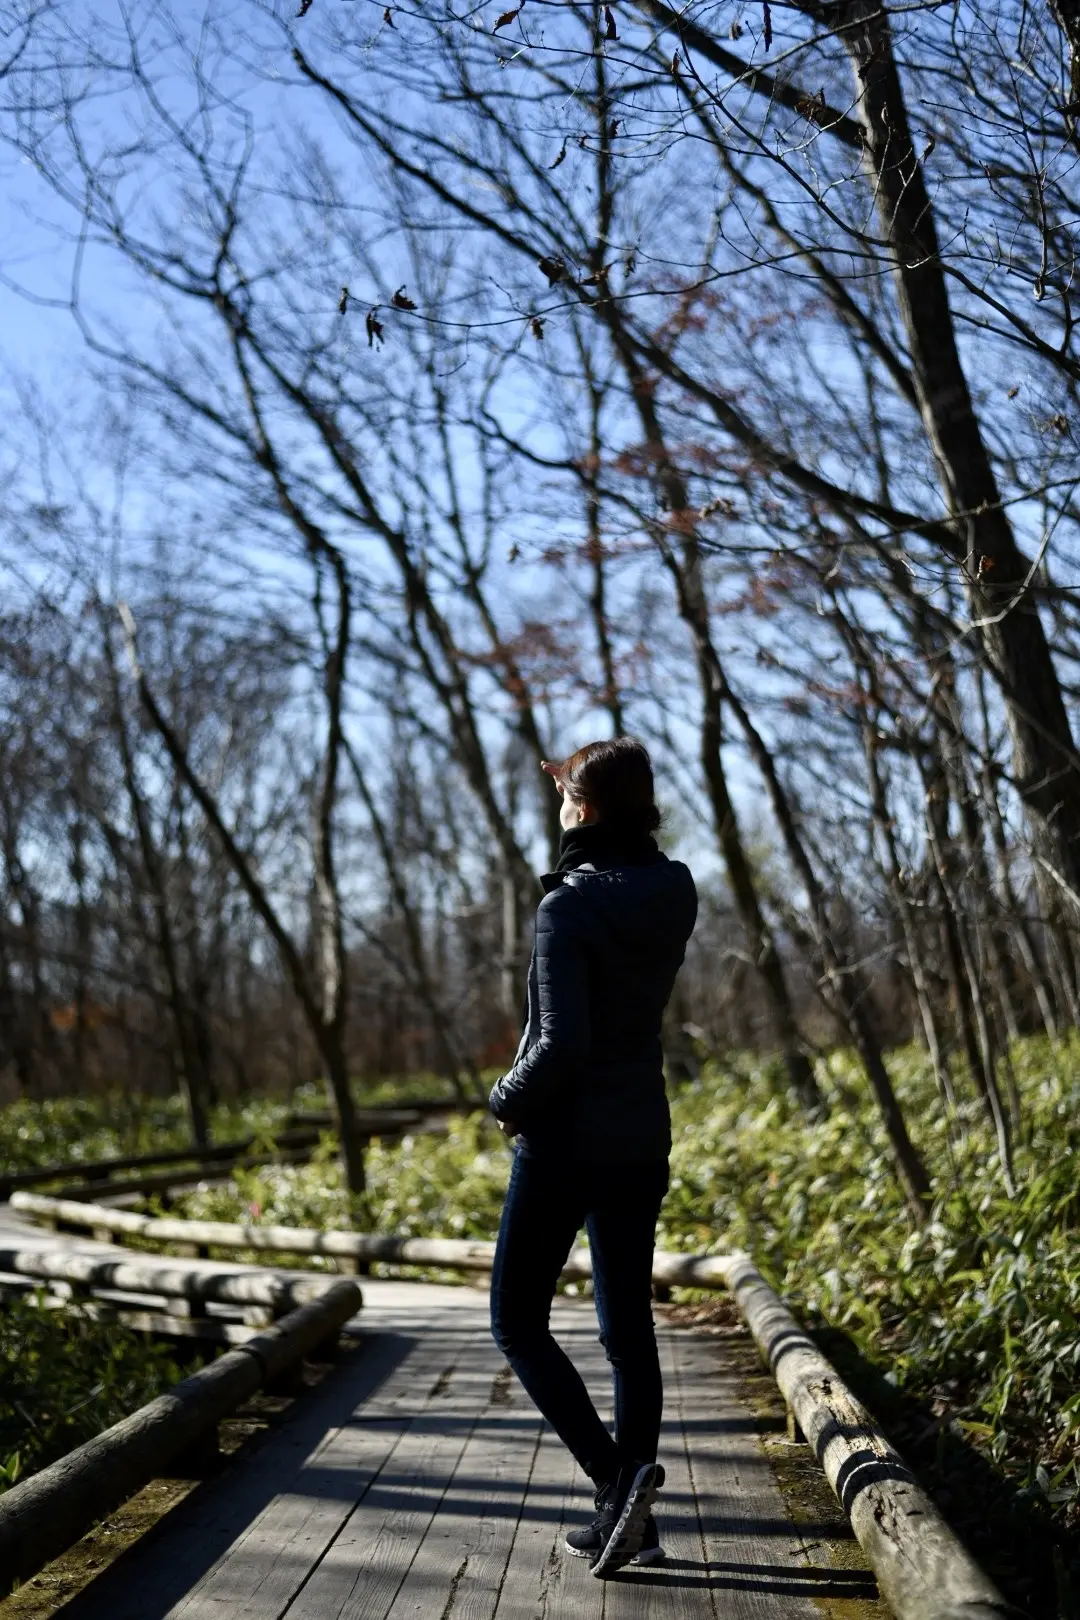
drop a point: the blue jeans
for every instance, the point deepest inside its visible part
(547, 1203)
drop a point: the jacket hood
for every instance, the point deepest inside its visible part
(653, 904)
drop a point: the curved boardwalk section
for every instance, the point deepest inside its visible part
(417, 1483)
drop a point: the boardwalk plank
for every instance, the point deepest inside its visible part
(542, 1581)
(362, 1570)
(176, 1566)
(459, 1570)
(677, 1589)
(759, 1566)
(266, 1566)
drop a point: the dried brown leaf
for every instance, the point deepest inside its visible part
(507, 17)
(554, 269)
(767, 16)
(536, 327)
(374, 329)
(343, 301)
(610, 31)
(561, 157)
(401, 301)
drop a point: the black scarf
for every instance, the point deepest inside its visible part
(605, 843)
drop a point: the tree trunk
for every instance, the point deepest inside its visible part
(1045, 761)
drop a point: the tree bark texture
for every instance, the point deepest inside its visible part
(997, 575)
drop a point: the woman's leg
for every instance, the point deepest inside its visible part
(544, 1209)
(622, 1233)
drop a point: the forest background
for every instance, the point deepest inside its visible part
(399, 395)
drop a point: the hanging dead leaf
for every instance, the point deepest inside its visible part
(613, 129)
(305, 7)
(561, 157)
(597, 276)
(554, 269)
(1059, 422)
(675, 64)
(1013, 391)
(812, 107)
(536, 327)
(343, 301)
(735, 31)
(374, 330)
(388, 17)
(610, 31)
(927, 149)
(401, 301)
(514, 553)
(767, 17)
(506, 18)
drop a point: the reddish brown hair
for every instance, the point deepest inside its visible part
(616, 778)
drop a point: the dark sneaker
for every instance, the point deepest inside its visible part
(587, 1542)
(627, 1507)
(650, 1551)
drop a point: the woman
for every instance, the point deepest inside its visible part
(586, 1102)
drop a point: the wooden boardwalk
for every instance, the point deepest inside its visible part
(418, 1483)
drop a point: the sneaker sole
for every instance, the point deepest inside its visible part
(624, 1543)
(647, 1555)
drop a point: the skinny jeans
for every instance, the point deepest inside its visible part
(548, 1201)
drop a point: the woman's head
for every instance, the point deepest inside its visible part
(608, 781)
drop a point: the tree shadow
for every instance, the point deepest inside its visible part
(777, 1580)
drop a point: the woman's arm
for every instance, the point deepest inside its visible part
(556, 1059)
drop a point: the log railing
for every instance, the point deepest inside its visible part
(48, 1512)
(157, 1172)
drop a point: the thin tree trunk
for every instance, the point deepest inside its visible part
(891, 870)
(187, 1062)
(459, 1068)
(846, 982)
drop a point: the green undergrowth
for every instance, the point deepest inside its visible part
(64, 1379)
(74, 1130)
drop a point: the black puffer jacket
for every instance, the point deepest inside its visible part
(588, 1078)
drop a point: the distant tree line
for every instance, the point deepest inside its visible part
(464, 385)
